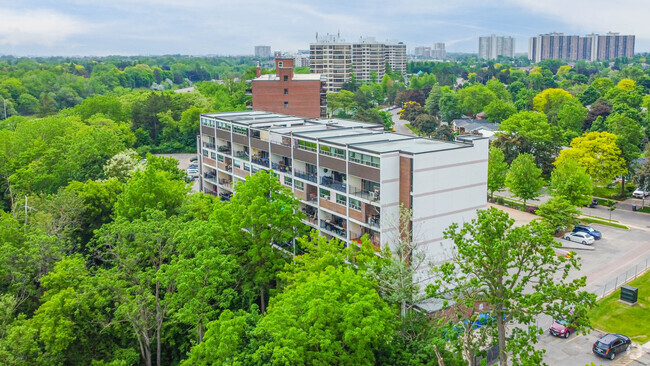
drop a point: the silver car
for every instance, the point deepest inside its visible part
(580, 237)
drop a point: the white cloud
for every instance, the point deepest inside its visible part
(41, 26)
(625, 17)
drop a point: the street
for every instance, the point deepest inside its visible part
(400, 124)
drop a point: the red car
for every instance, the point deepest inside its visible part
(561, 328)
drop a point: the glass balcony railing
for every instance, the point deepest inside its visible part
(260, 161)
(281, 167)
(312, 177)
(242, 155)
(372, 196)
(334, 184)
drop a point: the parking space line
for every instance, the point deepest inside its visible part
(574, 338)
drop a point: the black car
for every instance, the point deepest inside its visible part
(611, 344)
(594, 203)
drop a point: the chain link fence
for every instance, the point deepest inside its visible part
(623, 278)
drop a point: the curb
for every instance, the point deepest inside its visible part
(579, 247)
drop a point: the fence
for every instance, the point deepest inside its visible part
(623, 278)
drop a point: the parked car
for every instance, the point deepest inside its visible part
(194, 159)
(561, 328)
(193, 172)
(589, 230)
(594, 203)
(640, 193)
(580, 237)
(611, 344)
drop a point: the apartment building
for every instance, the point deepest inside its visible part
(351, 177)
(263, 51)
(422, 52)
(336, 59)
(592, 47)
(286, 92)
(438, 51)
(491, 47)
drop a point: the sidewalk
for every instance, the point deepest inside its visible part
(521, 218)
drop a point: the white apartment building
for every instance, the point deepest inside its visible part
(263, 51)
(491, 47)
(332, 56)
(351, 177)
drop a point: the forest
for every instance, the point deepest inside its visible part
(107, 258)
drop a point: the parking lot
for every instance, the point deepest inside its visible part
(183, 164)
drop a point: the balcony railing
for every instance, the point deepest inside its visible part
(372, 196)
(281, 167)
(224, 149)
(333, 229)
(242, 155)
(208, 145)
(373, 221)
(260, 161)
(225, 183)
(334, 184)
(312, 177)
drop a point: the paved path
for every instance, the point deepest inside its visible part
(400, 124)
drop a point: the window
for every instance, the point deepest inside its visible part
(360, 158)
(286, 78)
(280, 63)
(223, 126)
(237, 164)
(306, 145)
(240, 130)
(341, 199)
(255, 169)
(286, 91)
(332, 151)
(288, 181)
(213, 155)
(247, 167)
(299, 185)
(324, 193)
(355, 204)
(286, 104)
(205, 153)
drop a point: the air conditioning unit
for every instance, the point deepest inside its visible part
(373, 196)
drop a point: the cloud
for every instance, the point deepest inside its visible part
(40, 26)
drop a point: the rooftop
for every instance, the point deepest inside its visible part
(296, 77)
(353, 134)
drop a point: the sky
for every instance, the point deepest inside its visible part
(208, 27)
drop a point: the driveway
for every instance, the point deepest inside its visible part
(400, 124)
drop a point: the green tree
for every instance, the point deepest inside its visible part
(497, 171)
(524, 178)
(570, 181)
(598, 153)
(426, 124)
(558, 213)
(448, 107)
(629, 134)
(475, 98)
(498, 111)
(341, 102)
(530, 125)
(27, 104)
(410, 111)
(512, 271)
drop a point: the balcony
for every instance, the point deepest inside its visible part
(312, 177)
(372, 196)
(209, 145)
(373, 221)
(281, 168)
(334, 184)
(224, 149)
(260, 161)
(242, 155)
(210, 177)
(333, 228)
(225, 183)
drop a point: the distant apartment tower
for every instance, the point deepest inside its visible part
(591, 47)
(332, 56)
(611, 45)
(491, 47)
(263, 51)
(438, 51)
(301, 95)
(422, 52)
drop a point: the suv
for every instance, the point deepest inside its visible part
(640, 193)
(611, 344)
(589, 230)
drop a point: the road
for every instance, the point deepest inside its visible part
(400, 124)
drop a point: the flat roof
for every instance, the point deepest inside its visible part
(357, 135)
(295, 77)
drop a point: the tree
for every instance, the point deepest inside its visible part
(341, 102)
(530, 125)
(558, 213)
(513, 271)
(475, 98)
(27, 104)
(122, 165)
(448, 107)
(426, 124)
(497, 171)
(524, 178)
(410, 111)
(628, 133)
(498, 111)
(262, 214)
(431, 104)
(570, 181)
(598, 153)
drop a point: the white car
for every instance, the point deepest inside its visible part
(640, 193)
(580, 237)
(193, 172)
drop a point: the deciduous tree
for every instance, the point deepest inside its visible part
(524, 179)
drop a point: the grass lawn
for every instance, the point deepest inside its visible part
(632, 321)
(589, 220)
